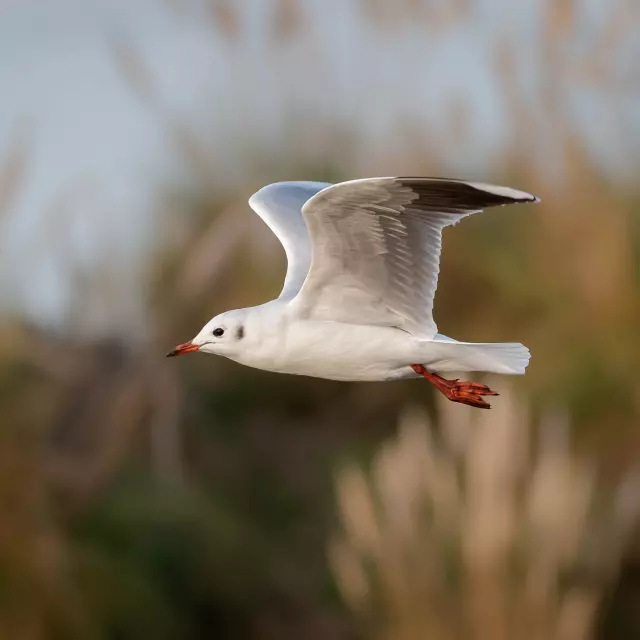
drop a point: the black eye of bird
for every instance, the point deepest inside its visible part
(218, 332)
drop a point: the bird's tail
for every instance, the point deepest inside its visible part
(492, 357)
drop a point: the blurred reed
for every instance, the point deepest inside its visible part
(481, 532)
(13, 171)
(141, 499)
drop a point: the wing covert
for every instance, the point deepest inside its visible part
(376, 247)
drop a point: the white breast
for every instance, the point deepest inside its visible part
(333, 350)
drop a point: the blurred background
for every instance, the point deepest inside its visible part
(195, 498)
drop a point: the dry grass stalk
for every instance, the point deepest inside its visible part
(225, 14)
(287, 21)
(474, 536)
(13, 171)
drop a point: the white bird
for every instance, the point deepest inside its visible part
(357, 302)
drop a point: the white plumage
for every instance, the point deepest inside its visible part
(357, 301)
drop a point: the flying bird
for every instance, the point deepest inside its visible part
(357, 302)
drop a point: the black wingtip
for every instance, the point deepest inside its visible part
(434, 193)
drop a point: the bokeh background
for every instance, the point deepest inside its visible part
(194, 498)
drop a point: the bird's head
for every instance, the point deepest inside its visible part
(221, 336)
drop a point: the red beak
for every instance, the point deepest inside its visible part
(187, 347)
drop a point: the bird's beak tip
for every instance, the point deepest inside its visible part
(181, 349)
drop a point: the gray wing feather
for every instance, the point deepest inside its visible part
(376, 247)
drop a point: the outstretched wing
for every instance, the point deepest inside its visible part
(376, 247)
(280, 206)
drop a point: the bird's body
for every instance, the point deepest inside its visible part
(358, 297)
(277, 339)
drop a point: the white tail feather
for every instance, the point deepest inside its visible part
(509, 358)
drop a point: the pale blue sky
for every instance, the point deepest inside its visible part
(99, 154)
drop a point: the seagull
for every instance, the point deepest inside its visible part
(357, 302)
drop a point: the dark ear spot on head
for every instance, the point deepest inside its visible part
(240, 332)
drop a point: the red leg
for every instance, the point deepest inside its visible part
(465, 392)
